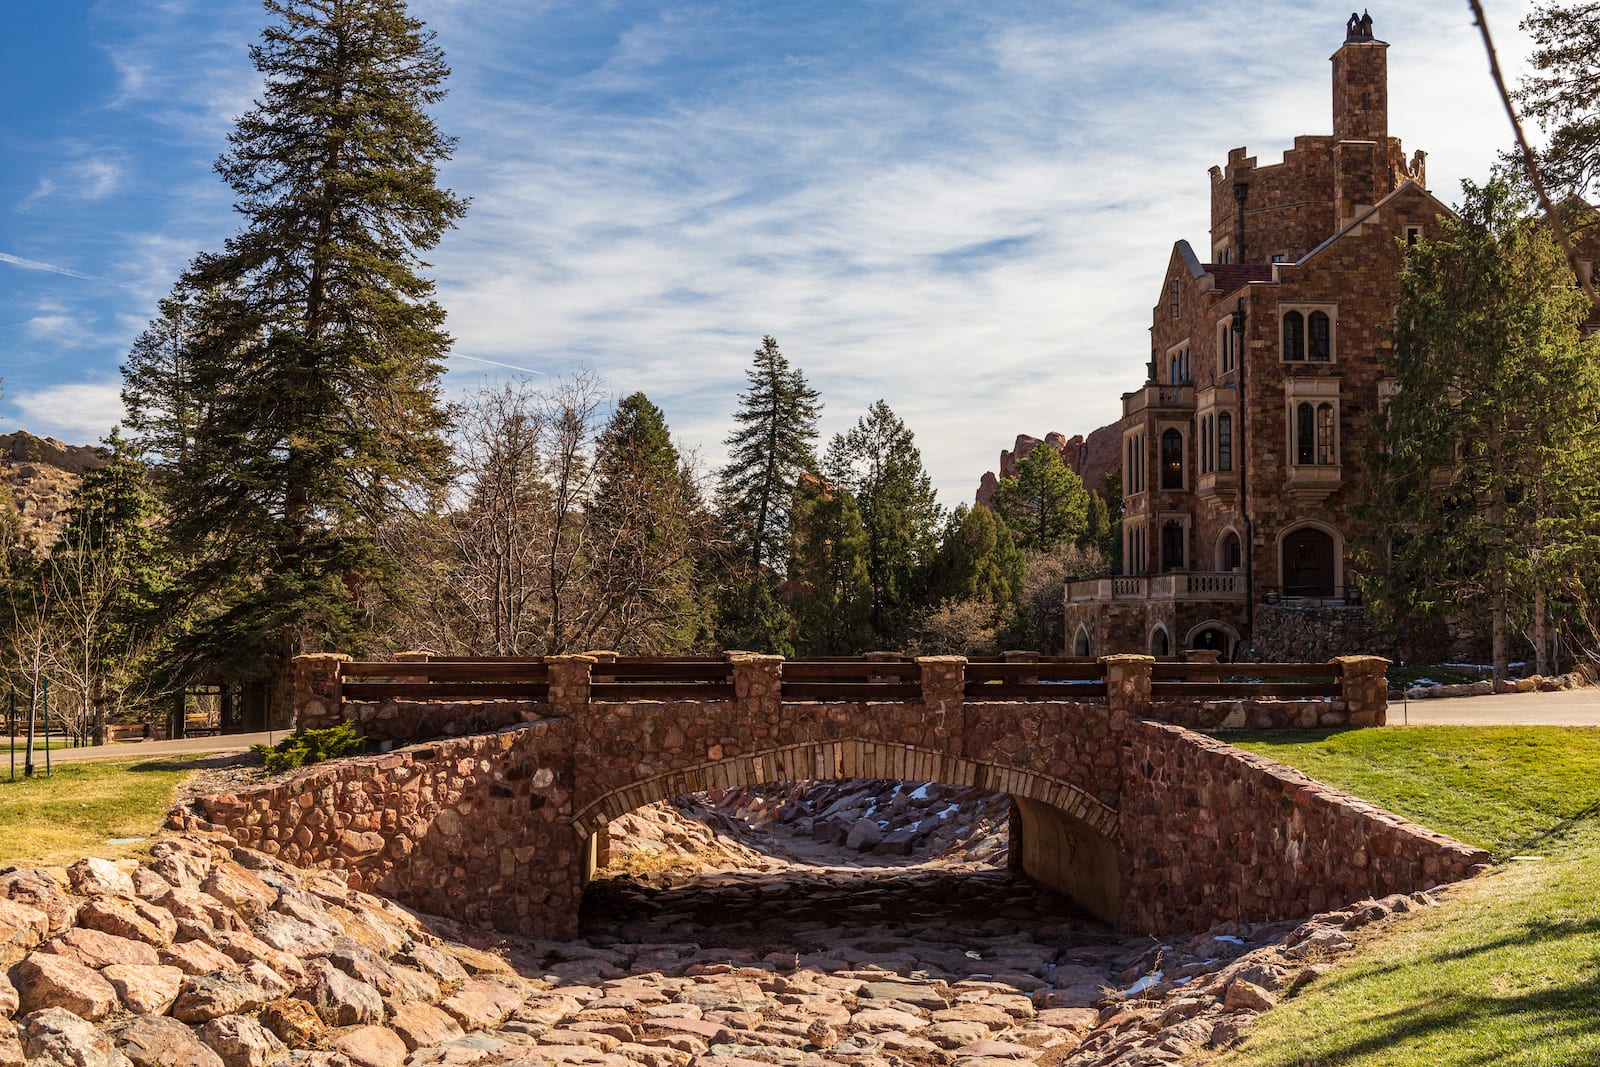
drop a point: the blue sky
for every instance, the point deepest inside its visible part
(961, 208)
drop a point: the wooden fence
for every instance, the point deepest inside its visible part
(871, 678)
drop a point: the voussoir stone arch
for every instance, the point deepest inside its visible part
(850, 758)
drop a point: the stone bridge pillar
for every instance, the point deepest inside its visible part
(1127, 687)
(318, 700)
(1366, 689)
(944, 683)
(1022, 656)
(569, 683)
(758, 688)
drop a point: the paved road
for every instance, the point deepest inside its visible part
(151, 749)
(1569, 707)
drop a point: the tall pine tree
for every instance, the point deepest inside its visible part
(879, 463)
(1484, 499)
(313, 338)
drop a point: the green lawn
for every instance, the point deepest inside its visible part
(1507, 971)
(81, 806)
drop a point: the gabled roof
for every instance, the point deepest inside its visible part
(1444, 209)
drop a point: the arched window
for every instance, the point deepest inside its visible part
(1159, 645)
(1080, 644)
(1317, 327)
(1225, 442)
(1171, 459)
(1294, 335)
(1228, 557)
(1325, 429)
(1172, 545)
(1305, 435)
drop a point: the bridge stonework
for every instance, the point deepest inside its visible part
(1145, 824)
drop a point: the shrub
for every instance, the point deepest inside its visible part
(305, 747)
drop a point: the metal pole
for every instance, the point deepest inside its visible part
(11, 726)
(44, 685)
(33, 713)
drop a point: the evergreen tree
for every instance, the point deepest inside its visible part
(646, 526)
(878, 462)
(312, 337)
(827, 590)
(1559, 93)
(1044, 502)
(977, 559)
(1484, 496)
(767, 453)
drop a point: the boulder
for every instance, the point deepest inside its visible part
(295, 1022)
(340, 999)
(423, 1025)
(55, 1037)
(241, 1041)
(863, 835)
(130, 917)
(197, 957)
(204, 997)
(96, 949)
(372, 1046)
(144, 990)
(158, 1041)
(239, 889)
(9, 1001)
(91, 877)
(48, 981)
(22, 927)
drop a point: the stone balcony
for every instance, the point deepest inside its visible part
(1173, 397)
(1311, 482)
(1220, 488)
(1176, 585)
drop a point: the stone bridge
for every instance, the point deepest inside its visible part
(1142, 822)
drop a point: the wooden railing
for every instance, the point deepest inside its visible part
(867, 679)
(1176, 681)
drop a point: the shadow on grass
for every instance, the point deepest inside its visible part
(1550, 1027)
(1556, 834)
(234, 759)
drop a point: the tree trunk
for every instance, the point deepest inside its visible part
(1541, 632)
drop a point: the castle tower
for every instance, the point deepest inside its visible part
(1362, 174)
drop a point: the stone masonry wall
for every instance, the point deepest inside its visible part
(413, 720)
(1212, 833)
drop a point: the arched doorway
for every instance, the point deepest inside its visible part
(1160, 643)
(1308, 563)
(1080, 643)
(1216, 636)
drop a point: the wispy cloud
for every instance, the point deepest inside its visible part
(79, 412)
(48, 268)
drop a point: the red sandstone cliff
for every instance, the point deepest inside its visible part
(1093, 458)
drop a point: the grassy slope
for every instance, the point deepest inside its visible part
(1508, 970)
(82, 805)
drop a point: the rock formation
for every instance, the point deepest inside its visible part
(41, 474)
(1093, 458)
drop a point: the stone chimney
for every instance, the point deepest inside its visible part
(1361, 172)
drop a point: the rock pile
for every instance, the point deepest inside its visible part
(212, 955)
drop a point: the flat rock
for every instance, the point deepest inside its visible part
(484, 1003)
(96, 948)
(1078, 1020)
(94, 876)
(49, 981)
(159, 1041)
(241, 1041)
(876, 1019)
(371, 1046)
(129, 917)
(204, 997)
(423, 1025)
(989, 1015)
(239, 889)
(1001, 1050)
(913, 993)
(197, 957)
(144, 989)
(955, 1034)
(56, 1036)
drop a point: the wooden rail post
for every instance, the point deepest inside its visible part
(1365, 687)
(1127, 687)
(318, 701)
(569, 683)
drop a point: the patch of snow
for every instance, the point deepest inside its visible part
(1148, 981)
(1229, 938)
(920, 792)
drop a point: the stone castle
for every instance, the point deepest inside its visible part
(1242, 451)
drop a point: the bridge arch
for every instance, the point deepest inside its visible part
(1062, 836)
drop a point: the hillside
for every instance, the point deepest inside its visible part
(41, 474)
